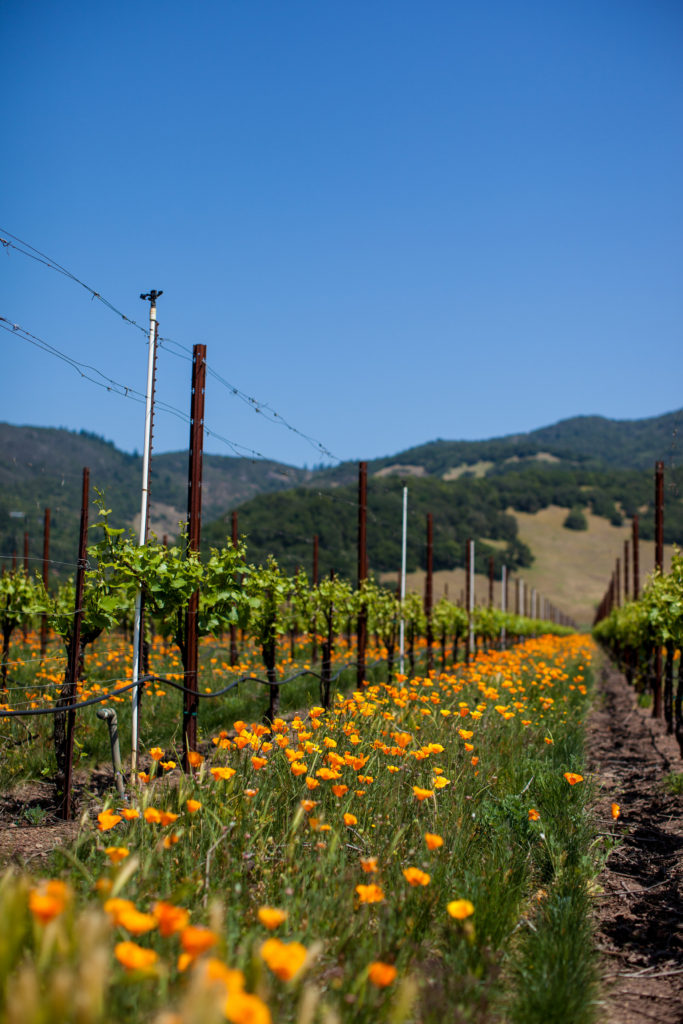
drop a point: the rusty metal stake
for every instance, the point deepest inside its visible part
(75, 649)
(429, 590)
(194, 526)
(314, 631)
(362, 567)
(46, 562)
(233, 627)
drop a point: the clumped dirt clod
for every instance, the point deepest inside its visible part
(639, 910)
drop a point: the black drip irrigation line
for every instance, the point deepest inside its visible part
(143, 680)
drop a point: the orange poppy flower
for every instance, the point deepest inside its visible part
(134, 957)
(171, 919)
(533, 814)
(422, 794)
(369, 864)
(433, 841)
(106, 820)
(285, 959)
(572, 778)
(460, 909)
(350, 819)
(196, 939)
(381, 974)
(130, 813)
(414, 876)
(117, 853)
(193, 806)
(369, 893)
(134, 921)
(271, 917)
(616, 811)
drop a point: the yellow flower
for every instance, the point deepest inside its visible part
(460, 909)
(156, 753)
(151, 815)
(433, 841)
(134, 957)
(168, 766)
(271, 917)
(422, 794)
(285, 959)
(369, 893)
(222, 773)
(381, 974)
(130, 813)
(298, 768)
(439, 782)
(414, 876)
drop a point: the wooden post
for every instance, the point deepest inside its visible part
(635, 544)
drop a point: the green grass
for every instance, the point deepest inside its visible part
(525, 954)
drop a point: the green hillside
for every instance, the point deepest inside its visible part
(42, 467)
(284, 524)
(587, 462)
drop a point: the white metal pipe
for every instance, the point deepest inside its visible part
(142, 538)
(404, 551)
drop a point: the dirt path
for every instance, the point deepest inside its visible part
(640, 908)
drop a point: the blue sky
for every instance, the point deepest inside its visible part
(391, 221)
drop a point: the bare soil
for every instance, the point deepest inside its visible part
(639, 908)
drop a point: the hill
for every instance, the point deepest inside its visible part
(472, 487)
(42, 467)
